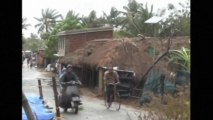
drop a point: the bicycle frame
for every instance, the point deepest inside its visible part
(114, 95)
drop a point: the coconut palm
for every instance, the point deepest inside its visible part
(178, 19)
(130, 11)
(71, 22)
(134, 17)
(72, 14)
(113, 18)
(91, 20)
(24, 24)
(143, 14)
(48, 20)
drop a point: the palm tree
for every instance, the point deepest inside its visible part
(72, 21)
(134, 17)
(144, 14)
(178, 19)
(130, 11)
(91, 20)
(24, 24)
(48, 20)
(113, 18)
(72, 14)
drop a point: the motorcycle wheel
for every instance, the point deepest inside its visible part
(75, 108)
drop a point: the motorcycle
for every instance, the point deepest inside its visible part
(71, 98)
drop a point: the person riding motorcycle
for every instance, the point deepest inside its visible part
(68, 76)
(111, 78)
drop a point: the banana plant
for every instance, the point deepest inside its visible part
(181, 57)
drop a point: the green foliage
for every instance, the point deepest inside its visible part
(31, 44)
(129, 22)
(134, 17)
(113, 18)
(175, 109)
(73, 15)
(45, 36)
(122, 33)
(51, 47)
(153, 86)
(178, 109)
(178, 19)
(92, 20)
(34, 36)
(48, 20)
(182, 58)
(71, 22)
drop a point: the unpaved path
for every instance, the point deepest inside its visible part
(92, 108)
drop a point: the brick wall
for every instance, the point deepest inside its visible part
(77, 40)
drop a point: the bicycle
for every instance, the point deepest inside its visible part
(116, 102)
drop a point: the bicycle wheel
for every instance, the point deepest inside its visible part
(117, 102)
(107, 104)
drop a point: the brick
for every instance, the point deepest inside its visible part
(75, 41)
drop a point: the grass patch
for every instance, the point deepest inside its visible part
(170, 108)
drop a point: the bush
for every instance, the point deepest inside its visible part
(172, 108)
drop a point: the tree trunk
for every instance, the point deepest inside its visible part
(27, 108)
(150, 68)
(156, 61)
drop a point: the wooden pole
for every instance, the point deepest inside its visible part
(162, 87)
(40, 89)
(56, 97)
(27, 108)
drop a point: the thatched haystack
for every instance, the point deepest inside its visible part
(127, 54)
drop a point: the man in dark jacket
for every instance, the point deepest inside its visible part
(69, 76)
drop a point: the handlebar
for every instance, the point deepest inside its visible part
(70, 83)
(113, 83)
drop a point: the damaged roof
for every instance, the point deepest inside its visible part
(127, 54)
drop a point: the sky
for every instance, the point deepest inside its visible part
(32, 8)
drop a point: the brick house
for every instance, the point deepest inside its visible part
(71, 40)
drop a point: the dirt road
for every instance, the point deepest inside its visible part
(92, 108)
